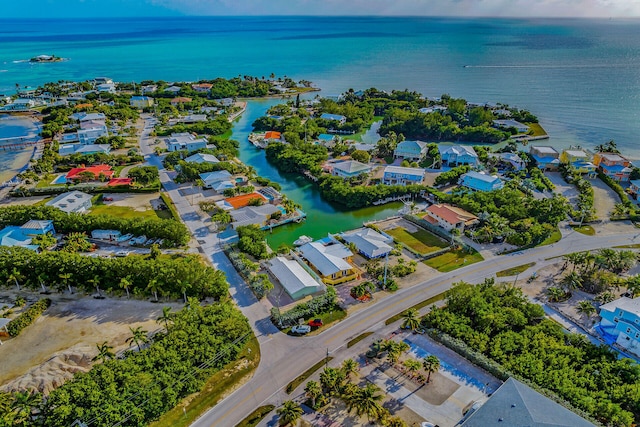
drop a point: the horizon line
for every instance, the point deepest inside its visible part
(471, 17)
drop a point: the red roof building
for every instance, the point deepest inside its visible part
(78, 174)
(119, 181)
(272, 135)
(180, 100)
(243, 200)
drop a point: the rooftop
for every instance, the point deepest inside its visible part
(202, 158)
(327, 258)
(351, 166)
(404, 170)
(453, 215)
(292, 275)
(478, 176)
(457, 149)
(627, 304)
(243, 200)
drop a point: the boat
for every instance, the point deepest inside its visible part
(302, 240)
(257, 139)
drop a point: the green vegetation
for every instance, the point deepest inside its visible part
(420, 305)
(306, 374)
(587, 230)
(597, 272)
(536, 129)
(15, 326)
(306, 310)
(193, 406)
(123, 212)
(216, 126)
(453, 259)
(515, 270)
(256, 416)
(421, 241)
(251, 240)
(500, 323)
(359, 338)
(554, 237)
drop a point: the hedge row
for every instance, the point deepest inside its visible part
(28, 317)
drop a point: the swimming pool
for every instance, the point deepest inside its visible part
(421, 353)
(60, 179)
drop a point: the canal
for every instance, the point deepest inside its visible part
(322, 216)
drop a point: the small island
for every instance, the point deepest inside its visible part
(47, 58)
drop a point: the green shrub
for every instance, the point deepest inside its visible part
(28, 317)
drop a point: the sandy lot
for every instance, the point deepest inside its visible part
(136, 201)
(604, 198)
(63, 340)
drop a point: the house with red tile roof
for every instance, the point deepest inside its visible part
(115, 182)
(84, 173)
(180, 100)
(243, 200)
(449, 217)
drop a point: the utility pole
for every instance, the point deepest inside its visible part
(326, 360)
(386, 262)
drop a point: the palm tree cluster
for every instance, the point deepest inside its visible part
(597, 272)
(18, 408)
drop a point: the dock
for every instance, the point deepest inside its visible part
(17, 143)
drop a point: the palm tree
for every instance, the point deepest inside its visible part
(412, 366)
(571, 281)
(431, 364)
(555, 294)
(313, 391)
(23, 405)
(104, 352)
(394, 422)
(124, 284)
(289, 413)
(350, 366)
(586, 308)
(633, 285)
(65, 277)
(332, 380)
(411, 319)
(42, 278)
(607, 259)
(139, 336)
(165, 317)
(365, 400)
(14, 276)
(153, 288)
(605, 297)
(95, 282)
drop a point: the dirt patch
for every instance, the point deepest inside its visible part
(139, 202)
(436, 392)
(604, 198)
(63, 340)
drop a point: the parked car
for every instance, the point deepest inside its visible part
(314, 323)
(107, 199)
(122, 253)
(301, 329)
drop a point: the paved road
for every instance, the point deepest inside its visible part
(283, 357)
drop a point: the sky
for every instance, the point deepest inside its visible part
(463, 8)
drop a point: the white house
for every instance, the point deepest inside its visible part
(369, 242)
(67, 149)
(106, 88)
(411, 150)
(349, 168)
(510, 123)
(202, 158)
(297, 281)
(89, 136)
(253, 215)
(72, 202)
(621, 319)
(20, 104)
(399, 175)
(185, 141)
(334, 117)
(454, 155)
(218, 180)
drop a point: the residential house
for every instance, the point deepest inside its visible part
(148, 89)
(92, 124)
(369, 242)
(580, 160)
(517, 404)
(547, 158)
(141, 101)
(334, 117)
(88, 117)
(253, 215)
(103, 80)
(89, 136)
(449, 217)
(22, 236)
(510, 123)
(193, 118)
(398, 175)
(72, 202)
(613, 165)
(20, 104)
(89, 173)
(202, 158)
(621, 319)
(272, 135)
(513, 160)
(634, 188)
(478, 181)
(218, 180)
(68, 149)
(433, 109)
(349, 168)
(454, 155)
(411, 150)
(243, 200)
(226, 102)
(106, 88)
(294, 278)
(331, 260)
(180, 100)
(202, 87)
(185, 141)
(173, 89)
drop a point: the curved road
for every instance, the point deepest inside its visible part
(283, 357)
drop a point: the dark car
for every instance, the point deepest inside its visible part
(107, 199)
(315, 323)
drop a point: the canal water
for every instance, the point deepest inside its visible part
(322, 216)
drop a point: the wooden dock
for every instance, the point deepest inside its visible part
(17, 143)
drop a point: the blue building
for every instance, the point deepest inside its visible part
(337, 117)
(22, 236)
(546, 158)
(477, 181)
(621, 320)
(398, 175)
(454, 155)
(411, 150)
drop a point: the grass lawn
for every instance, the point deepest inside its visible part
(553, 238)
(418, 306)
(357, 339)
(306, 374)
(256, 416)
(515, 270)
(334, 315)
(452, 260)
(421, 241)
(587, 230)
(537, 129)
(220, 383)
(225, 135)
(122, 211)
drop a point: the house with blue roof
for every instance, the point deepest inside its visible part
(477, 181)
(613, 165)
(398, 175)
(336, 117)
(349, 168)
(579, 159)
(455, 155)
(620, 320)
(22, 236)
(411, 150)
(546, 158)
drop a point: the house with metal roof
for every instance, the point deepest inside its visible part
(546, 158)
(349, 168)
(331, 260)
(620, 319)
(90, 135)
(478, 181)
(294, 278)
(335, 117)
(398, 175)
(253, 215)
(454, 155)
(217, 180)
(185, 141)
(613, 165)
(510, 123)
(369, 242)
(202, 158)
(517, 404)
(449, 217)
(410, 150)
(72, 202)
